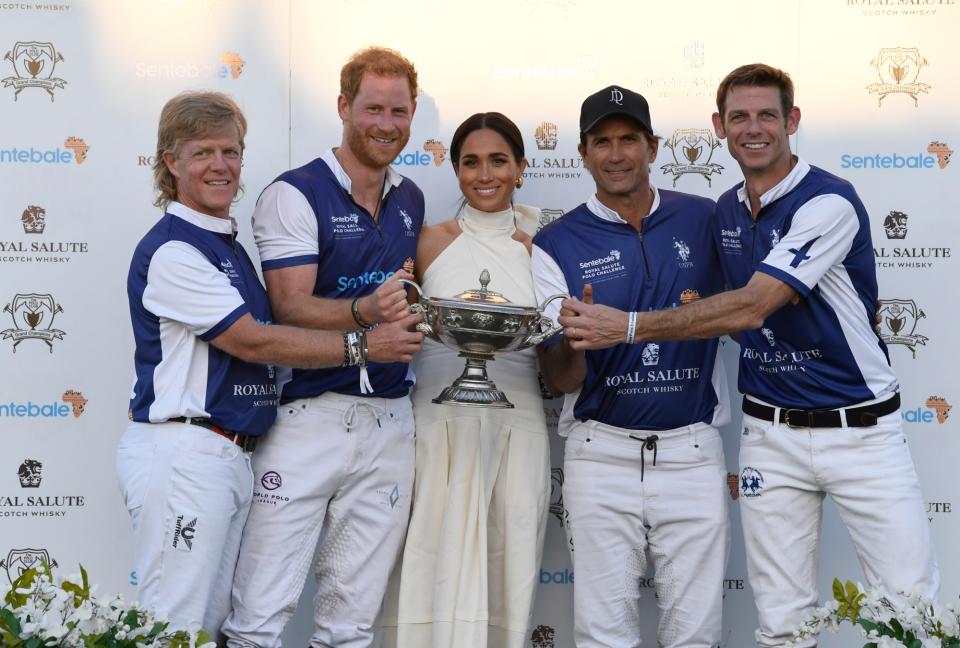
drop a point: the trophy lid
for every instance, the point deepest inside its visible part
(483, 295)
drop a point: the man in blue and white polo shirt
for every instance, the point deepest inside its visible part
(334, 236)
(643, 463)
(821, 405)
(204, 389)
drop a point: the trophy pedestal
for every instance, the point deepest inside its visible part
(473, 388)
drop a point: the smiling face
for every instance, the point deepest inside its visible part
(376, 125)
(207, 171)
(757, 131)
(488, 171)
(618, 154)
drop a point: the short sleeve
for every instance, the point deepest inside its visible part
(821, 235)
(548, 280)
(183, 286)
(285, 228)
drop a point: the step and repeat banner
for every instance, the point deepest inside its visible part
(82, 84)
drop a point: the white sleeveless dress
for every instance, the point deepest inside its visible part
(469, 570)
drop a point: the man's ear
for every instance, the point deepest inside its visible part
(793, 120)
(718, 126)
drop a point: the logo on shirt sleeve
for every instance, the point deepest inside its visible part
(799, 256)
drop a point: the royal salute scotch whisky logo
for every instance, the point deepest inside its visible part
(34, 219)
(902, 257)
(33, 66)
(895, 225)
(30, 473)
(33, 246)
(33, 315)
(692, 150)
(546, 136)
(898, 69)
(20, 560)
(542, 637)
(898, 324)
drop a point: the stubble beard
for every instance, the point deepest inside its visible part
(365, 152)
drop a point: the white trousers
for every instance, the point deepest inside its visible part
(622, 506)
(338, 469)
(869, 474)
(188, 493)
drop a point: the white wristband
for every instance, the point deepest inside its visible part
(631, 327)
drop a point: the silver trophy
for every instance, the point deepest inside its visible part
(480, 324)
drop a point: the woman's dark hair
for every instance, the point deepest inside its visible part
(496, 122)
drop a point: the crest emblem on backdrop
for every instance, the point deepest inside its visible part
(898, 325)
(692, 150)
(547, 216)
(33, 64)
(33, 316)
(20, 560)
(898, 69)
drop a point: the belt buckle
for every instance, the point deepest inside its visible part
(794, 426)
(245, 442)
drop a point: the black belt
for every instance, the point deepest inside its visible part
(863, 416)
(246, 442)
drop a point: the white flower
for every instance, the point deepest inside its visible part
(889, 642)
(932, 642)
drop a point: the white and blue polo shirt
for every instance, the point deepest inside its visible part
(812, 233)
(673, 260)
(308, 217)
(189, 281)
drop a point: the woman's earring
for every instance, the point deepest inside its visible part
(519, 182)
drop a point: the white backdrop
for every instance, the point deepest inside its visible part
(871, 112)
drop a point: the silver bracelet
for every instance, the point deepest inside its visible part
(631, 327)
(353, 348)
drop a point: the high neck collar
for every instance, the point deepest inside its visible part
(476, 220)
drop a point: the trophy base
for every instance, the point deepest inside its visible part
(473, 388)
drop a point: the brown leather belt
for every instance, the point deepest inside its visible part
(246, 442)
(863, 416)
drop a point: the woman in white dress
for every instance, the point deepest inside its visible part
(470, 566)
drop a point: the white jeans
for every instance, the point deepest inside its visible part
(188, 492)
(785, 473)
(677, 513)
(335, 468)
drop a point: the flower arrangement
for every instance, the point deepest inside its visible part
(884, 625)
(41, 609)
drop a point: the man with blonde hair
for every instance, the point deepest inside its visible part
(204, 390)
(334, 236)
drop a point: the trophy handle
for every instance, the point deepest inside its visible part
(414, 284)
(552, 329)
(421, 310)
